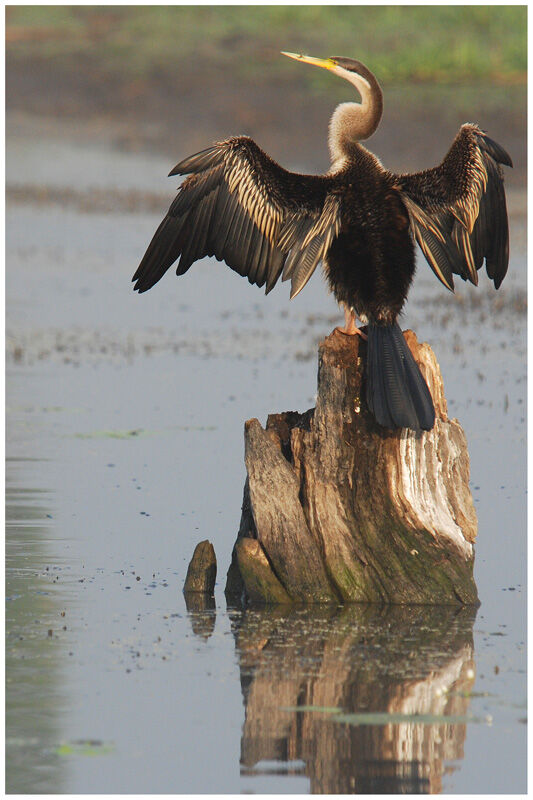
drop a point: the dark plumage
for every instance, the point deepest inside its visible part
(359, 220)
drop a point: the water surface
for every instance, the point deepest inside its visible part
(124, 449)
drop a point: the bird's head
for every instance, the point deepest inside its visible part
(361, 118)
(348, 68)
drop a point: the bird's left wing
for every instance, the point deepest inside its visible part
(243, 208)
(458, 212)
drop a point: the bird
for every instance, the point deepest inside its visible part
(360, 221)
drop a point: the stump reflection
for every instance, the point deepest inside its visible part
(202, 613)
(400, 660)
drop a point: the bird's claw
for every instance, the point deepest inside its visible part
(355, 331)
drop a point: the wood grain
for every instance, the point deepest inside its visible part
(347, 511)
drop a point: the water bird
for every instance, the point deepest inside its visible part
(359, 220)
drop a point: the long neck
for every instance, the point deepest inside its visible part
(354, 122)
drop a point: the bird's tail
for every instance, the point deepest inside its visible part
(396, 392)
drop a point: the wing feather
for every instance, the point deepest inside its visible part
(309, 240)
(274, 270)
(458, 212)
(238, 205)
(198, 162)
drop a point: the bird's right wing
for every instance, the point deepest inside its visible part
(243, 208)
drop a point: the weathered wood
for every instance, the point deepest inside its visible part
(202, 571)
(234, 590)
(346, 510)
(262, 586)
(281, 527)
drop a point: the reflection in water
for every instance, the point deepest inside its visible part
(331, 663)
(33, 652)
(201, 608)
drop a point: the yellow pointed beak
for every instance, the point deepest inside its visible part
(327, 63)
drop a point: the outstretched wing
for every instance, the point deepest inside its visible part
(458, 212)
(241, 207)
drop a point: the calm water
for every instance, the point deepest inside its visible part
(124, 449)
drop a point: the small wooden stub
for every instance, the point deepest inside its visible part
(338, 509)
(202, 571)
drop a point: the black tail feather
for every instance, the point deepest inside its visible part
(396, 392)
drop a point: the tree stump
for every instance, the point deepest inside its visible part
(340, 509)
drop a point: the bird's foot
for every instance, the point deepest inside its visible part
(350, 328)
(352, 332)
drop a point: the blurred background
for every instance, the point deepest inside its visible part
(173, 78)
(125, 413)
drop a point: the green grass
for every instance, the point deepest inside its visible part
(445, 44)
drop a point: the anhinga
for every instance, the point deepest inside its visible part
(360, 220)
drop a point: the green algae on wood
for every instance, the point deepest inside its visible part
(262, 586)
